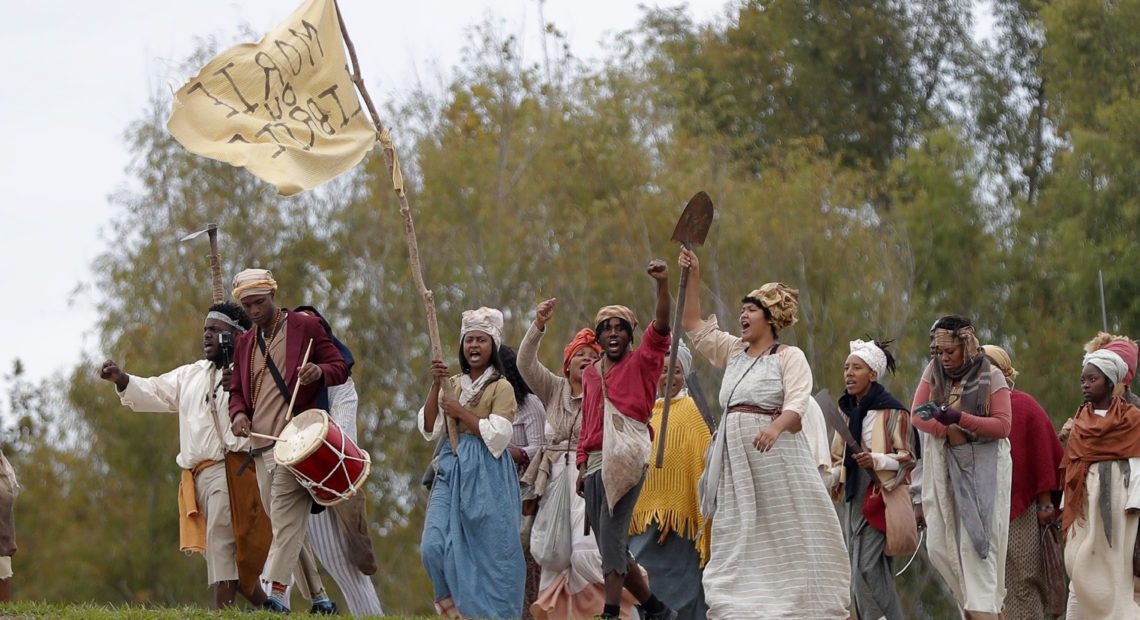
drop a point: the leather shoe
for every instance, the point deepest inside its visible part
(664, 614)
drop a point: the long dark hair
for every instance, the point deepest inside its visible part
(511, 372)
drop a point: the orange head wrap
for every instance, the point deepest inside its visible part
(584, 339)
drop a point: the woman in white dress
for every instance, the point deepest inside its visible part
(1101, 495)
(962, 407)
(776, 545)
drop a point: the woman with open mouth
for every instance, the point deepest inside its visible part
(470, 546)
(776, 545)
(868, 477)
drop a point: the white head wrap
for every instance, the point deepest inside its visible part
(225, 318)
(486, 320)
(1111, 364)
(870, 353)
(684, 358)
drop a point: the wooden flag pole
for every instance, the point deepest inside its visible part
(393, 164)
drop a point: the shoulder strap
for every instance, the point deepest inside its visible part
(728, 402)
(277, 378)
(775, 347)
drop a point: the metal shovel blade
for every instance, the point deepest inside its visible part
(691, 231)
(695, 221)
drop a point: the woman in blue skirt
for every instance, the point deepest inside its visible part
(470, 546)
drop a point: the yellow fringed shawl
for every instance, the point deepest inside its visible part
(669, 495)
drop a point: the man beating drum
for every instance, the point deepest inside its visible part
(339, 536)
(222, 520)
(267, 368)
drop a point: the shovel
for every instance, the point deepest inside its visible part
(691, 231)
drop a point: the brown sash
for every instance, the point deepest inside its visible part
(252, 530)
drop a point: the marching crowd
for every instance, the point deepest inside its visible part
(544, 504)
(740, 520)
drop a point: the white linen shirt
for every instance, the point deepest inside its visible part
(184, 391)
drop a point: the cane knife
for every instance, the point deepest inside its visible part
(835, 420)
(215, 263)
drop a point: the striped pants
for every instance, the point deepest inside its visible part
(329, 546)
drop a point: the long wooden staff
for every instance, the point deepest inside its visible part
(391, 159)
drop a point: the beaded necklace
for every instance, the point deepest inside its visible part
(258, 378)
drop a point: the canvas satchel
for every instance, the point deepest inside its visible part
(709, 481)
(710, 478)
(626, 447)
(902, 529)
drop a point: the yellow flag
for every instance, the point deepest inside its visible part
(284, 107)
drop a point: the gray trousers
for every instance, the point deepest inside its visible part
(611, 531)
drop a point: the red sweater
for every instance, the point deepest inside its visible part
(631, 385)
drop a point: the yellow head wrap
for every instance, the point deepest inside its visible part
(999, 357)
(781, 301)
(620, 312)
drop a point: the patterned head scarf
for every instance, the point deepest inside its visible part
(871, 354)
(781, 301)
(620, 312)
(998, 356)
(253, 282)
(1110, 363)
(486, 320)
(584, 339)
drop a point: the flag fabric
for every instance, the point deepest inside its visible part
(284, 108)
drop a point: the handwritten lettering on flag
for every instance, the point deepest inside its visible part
(285, 107)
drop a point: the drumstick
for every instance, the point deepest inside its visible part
(297, 388)
(253, 434)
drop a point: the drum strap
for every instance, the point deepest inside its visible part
(277, 378)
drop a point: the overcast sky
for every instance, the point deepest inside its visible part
(78, 72)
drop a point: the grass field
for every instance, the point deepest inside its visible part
(93, 611)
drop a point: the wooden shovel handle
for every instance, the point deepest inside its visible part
(670, 366)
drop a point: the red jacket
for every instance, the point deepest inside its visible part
(631, 385)
(324, 354)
